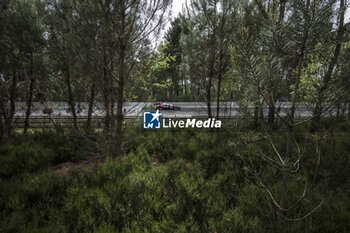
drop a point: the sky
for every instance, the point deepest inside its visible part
(177, 7)
(175, 10)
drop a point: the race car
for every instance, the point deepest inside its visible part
(166, 106)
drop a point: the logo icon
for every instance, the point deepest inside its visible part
(151, 120)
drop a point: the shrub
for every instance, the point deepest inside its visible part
(25, 156)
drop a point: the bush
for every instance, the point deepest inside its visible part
(31, 202)
(24, 157)
(41, 149)
(199, 182)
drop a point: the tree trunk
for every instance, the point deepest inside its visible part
(337, 116)
(30, 95)
(3, 128)
(282, 10)
(107, 100)
(121, 82)
(315, 124)
(211, 72)
(91, 103)
(9, 117)
(222, 68)
(256, 115)
(211, 76)
(290, 126)
(185, 84)
(261, 113)
(271, 114)
(120, 101)
(209, 98)
(218, 98)
(13, 94)
(29, 105)
(71, 98)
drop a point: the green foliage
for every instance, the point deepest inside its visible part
(30, 203)
(39, 150)
(198, 183)
(24, 157)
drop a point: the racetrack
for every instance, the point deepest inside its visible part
(134, 110)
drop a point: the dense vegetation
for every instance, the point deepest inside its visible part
(108, 52)
(264, 172)
(200, 182)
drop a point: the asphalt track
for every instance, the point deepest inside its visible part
(134, 110)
